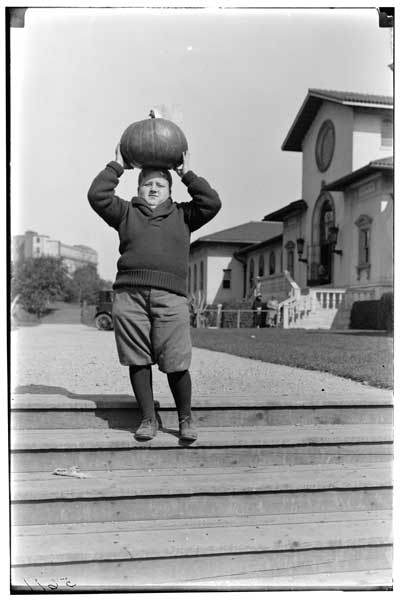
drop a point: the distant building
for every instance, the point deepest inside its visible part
(32, 245)
(335, 243)
(215, 272)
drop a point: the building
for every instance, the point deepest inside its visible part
(32, 245)
(336, 242)
(216, 272)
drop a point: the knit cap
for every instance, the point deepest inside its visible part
(150, 172)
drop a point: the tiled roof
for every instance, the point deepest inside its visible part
(349, 97)
(247, 233)
(294, 207)
(258, 245)
(387, 162)
(312, 103)
(380, 164)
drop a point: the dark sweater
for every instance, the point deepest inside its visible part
(154, 244)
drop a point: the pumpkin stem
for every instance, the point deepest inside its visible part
(152, 114)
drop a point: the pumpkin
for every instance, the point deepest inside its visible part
(153, 142)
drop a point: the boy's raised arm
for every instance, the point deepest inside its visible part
(101, 194)
(205, 203)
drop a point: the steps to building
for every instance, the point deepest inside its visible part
(283, 493)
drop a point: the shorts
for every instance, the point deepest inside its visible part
(152, 326)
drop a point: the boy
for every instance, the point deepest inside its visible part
(150, 310)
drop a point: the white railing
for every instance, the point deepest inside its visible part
(298, 307)
(327, 298)
(216, 318)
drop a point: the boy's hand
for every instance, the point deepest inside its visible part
(121, 160)
(185, 166)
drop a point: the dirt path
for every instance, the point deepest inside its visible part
(81, 359)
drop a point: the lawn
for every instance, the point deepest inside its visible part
(365, 357)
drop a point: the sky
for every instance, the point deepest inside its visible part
(233, 80)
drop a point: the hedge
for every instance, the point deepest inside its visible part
(386, 309)
(373, 314)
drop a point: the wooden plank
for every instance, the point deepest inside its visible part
(245, 416)
(250, 569)
(364, 397)
(170, 507)
(148, 458)
(193, 471)
(208, 437)
(344, 580)
(198, 523)
(195, 541)
(173, 482)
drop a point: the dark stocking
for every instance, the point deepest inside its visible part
(180, 386)
(141, 380)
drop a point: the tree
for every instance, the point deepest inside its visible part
(86, 283)
(38, 282)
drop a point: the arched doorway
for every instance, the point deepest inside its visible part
(321, 269)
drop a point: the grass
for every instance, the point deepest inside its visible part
(365, 357)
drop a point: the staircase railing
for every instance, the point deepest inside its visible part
(299, 306)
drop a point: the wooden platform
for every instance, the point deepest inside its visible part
(277, 493)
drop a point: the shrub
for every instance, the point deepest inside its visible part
(37, 282)
(386, 311)
(365, 315)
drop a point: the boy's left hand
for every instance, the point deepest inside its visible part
(185, 166)
(121, 160)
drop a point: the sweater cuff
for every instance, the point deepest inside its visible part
(188, 178)
(117, 168)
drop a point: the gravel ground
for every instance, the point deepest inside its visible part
(81, 359)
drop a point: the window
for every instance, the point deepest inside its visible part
(290, 257)
(261, 266)
(291, 262)
(364, 246)
(363, 224)
(272, 261)
(201, 275)
(227, 279)
(195, 279)
(327, 221)
(251, 274)
(325, 145)
(386, 133)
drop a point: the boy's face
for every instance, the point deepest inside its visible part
(154, 190)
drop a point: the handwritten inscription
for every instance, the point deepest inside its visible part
(50, 586)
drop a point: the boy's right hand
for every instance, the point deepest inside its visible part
(121, 160)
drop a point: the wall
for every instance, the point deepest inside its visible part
(371, 197)
(313, 179)
(34, 245)
(357, 142)
(216, 258)
(51, 247)
(265, 251)
(367, 137)
(78, 254)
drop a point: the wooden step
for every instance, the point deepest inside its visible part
(129, 418)
(216, 437)
(193, 456)
(98, 484)
(366, 396)
(348, 566)
(44, 498)
(87, 543)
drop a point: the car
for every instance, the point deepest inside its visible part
(103, 315)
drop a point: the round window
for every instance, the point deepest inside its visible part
(324, 149)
